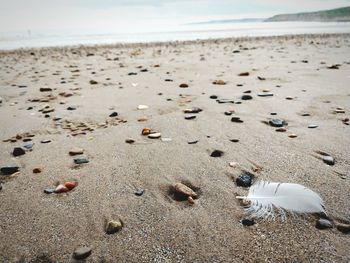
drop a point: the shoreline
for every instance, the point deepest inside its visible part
(174, 43)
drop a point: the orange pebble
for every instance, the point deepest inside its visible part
(70, 185)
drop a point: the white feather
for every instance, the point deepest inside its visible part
(266, 197)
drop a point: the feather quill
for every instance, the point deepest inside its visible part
(267, 197)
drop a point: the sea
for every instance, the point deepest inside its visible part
(37, 39)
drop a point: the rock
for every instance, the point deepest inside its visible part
(183, 85)
(139, 191)
(45, 89)
(273, 113)
(190, 117)
(233, 164)
(224, 101)
(216, 153)
(184, 190)
(18, 151)
(48, 190)
(219, 82)
(245, 73)
(192, 142)
(234, 140)
(247, 222)
(80, 160)
(155, 135)
(71, 108)
(169, 80)
(344, 228)
(61, 189)
(28, 146)
(312, 126)
(130, 141)
(335, 66)
(82, 253)
(146, 131)
(246, 97)
(323, 224)
(45, 141)
(305, 114)
(328, 160)
(289, 98)
(236, 119)
(228, 113)
(113, 114)
(93, 82)
(70, 185)
(282, 129)
(113, 226)
(142, 107)
(132, 74)
(276, 123)
(9, 169)
(213, 97)
(193, 110)
(76, 151)
(37, 170)
(244, 180)
(142, 119)
(1, 100)
(261, 78)
(265, 94)
(293, 135)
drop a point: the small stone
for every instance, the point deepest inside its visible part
(246, 97)
(81, 160)
(273, 113)
(113, 226)
(113, 114)
(261, 78)
(37, 170)
(155, 135)
(61, 189)
(244, 180)
(142, 119)
(190, 200)
(245, 73)
(276, 123)
(282, 129)
(265, 94)
(93, 82)
(335, 66)
(130, 141)
(247, 222)
(339, 111)
(236, 119)
(142, 107)
(228, 113)
(344, 228)
(213, 97)
(82, 253)
(216, 153)
(28, 145)
(193, 110)
(70, 185)
(18, 151)
(233, 164)
(293, 135)
(45, 89)
(192, 142)
(224, 101)
(71, 108)
(323, 224)
(48, 190)
(312, 126)
(219, 82)
(139, 191)
(76, 151)
(289, 98)
(184, 190)
(190, 117)
(234, 140)
(328, 160)
(9, 169)
(45, 141)
(146, 131)
(183, 85)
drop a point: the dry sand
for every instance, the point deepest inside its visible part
(39, 227)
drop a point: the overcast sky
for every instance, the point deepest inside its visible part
(124, 15)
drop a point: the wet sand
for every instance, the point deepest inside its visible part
(39, 227)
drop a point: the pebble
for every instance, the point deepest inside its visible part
(233, 164)
(37, 170)
(219, 82)
(82, 253)
(70, 185)
(224, 101)
(190, 117)
(312, 126)
(18, 151)
(155, 135)
(139, 191)
(80, 160)
(9, 169)
(305, 114)
(1, 100)
(265, 94)
(246, 97)
(45, 89)
(323, 224)
(193, 110)
(28, 145)
(328, 160)
(192, 142)
(289, 98)
(45, 141)
(244, 180)
(93, 82)
(113, 114)
(145, 131)
(276, 123)
(213, 97)
(344, 228)
(61, 189)
(228, 113)
(130, 141)
(71, 108)
(234, 140)
(247, 222)
(183, 85)
(273, 113)
(113, 226)
(216, 153)
(293, 135)
(246, 73)
(142, 107)
(132, 74)
(48, 190)
(184, 190)
(236, 119)
(76, 151)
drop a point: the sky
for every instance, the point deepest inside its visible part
(140, 15)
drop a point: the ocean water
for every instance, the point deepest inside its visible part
(27, 39)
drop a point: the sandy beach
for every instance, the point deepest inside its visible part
(98, 99)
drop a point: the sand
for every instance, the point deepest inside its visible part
(39, 227)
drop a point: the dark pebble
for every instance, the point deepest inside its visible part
(80, 160)
(276, 123)
(244, 180)
(328, 160)
(305, 114)
(246, 97)
(224, 101)
(228, 113)
(139, 191)
(192, 142)
(18, 151)
(236, 119)
(247, 91)
(190, 117)
(312, 126)
(113, 114)
(265, 94)
(9, 169)
(213, 97)
(71, 108)
(28, 145)
(168, 80)
(132, 74)
(130, 141)
(247, 222)
(216, 153)
(82, 253)
(234, 140)
(49, 190)
(323, 224)
(273, 113)
(45, 141)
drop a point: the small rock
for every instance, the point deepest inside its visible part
(293, 135)
(213, 97)
(344, 228)
(236, 119)
(246, 97)
(328, 160)
(228, 113)
(276, 123)
(190, 117)
(48, 190)
(139, 191)
(233, 164)
(81, 160)
(216, 153)
(193, 110)
(130, 141)
(282, 129)
(28, 146)
(224, 101)
(142, 107)
(155, 135)
(247, 222)
(76, 151)
(244, 180)
(265, 94)
(71, 108)
(61, 189)
(234, 140)
(192, 142)
(184, 190)
(45, 89)
(261, 78)
(190, 200)
(37, 170)
(289, 98)
(246, 73)
(113, 226)
(70, 185)
(146, 131)
(9, 169)
(18, 151)
(183, 85)
(45, 141)
(312, 126)
(113, 114)
(219, 82)
(323, 223)
(93, 82)
(273, 113)
(82, 253)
